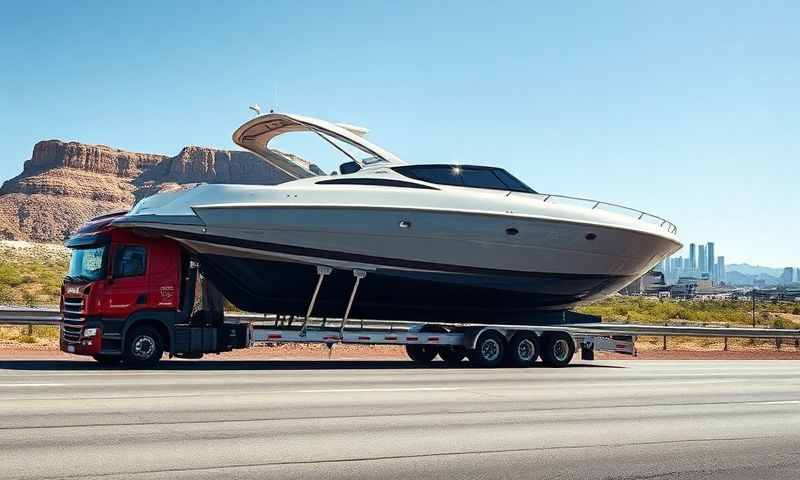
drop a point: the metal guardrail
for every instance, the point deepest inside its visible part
(30, 316)
(33, 316)
(684, 331)
(640, 214)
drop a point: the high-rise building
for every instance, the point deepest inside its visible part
(702, 259)
(721, 275)
(711, 258)
(693, 256)
(787, 276)
(677, 266)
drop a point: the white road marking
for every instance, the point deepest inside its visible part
(33, 384)
(354, 390)
(777, 402)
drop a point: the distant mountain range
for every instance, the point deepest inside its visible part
(745, 274)
(66, 183)
(748, 269)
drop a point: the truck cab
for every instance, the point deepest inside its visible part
(131, 297)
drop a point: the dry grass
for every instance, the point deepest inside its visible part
(643, 310)
(45, 334)
(31, 273)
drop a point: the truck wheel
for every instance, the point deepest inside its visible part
(452, 354)
(422, 354)
(107, 360)
(523, 349)
(489, 349)
(557, 349)
(143, 347)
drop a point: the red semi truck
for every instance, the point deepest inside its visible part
(129, 297)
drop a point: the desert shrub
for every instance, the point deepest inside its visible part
(6, 294)
(29, 298)
(45, 331)
(10, 274)
(24, 338)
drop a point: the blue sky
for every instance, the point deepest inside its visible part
(690, 110)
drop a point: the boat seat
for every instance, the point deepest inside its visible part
(349, 167)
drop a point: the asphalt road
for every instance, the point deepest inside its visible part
(332, 420)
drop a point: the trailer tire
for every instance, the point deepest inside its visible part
(107, 360)
(422, 354)
(452, 354)
(489, 348)
(523, 350)
(557, 349)
(143, 347)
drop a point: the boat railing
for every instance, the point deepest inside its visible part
(616, 208)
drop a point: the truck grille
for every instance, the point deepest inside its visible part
(72, 325)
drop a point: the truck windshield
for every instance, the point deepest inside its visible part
(87, 264)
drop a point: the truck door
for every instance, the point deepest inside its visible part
(129, 290)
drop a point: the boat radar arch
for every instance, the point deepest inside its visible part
(256, 134)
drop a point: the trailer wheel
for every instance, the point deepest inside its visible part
(557, 349)
(452, 354)
(107, 360)
(143, 347)
(422, 354)
(523, 349)
(489, 348)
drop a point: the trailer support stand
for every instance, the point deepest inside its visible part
(322, 271)
(359, 274)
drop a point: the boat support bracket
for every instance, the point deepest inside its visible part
(359, 274)
(322, 272)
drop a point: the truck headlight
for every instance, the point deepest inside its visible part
(89, 332)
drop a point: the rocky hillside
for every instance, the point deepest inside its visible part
(65, 183)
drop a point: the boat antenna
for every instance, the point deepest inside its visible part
(274, 98)
(256, 108)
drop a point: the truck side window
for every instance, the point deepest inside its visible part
(130, 261)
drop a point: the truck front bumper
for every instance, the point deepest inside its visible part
(84, 345)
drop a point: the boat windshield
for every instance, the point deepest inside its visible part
(87, 264)
(465, 176)
(313, 150)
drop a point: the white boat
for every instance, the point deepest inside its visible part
(436, 242)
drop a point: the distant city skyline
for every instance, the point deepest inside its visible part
(701, 262)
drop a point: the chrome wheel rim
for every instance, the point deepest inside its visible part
(560, 350)
(490, 349)
(143, 347)
(526, 350)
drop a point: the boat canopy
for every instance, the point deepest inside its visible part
(256, 134)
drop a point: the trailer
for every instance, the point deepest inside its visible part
(480, 345)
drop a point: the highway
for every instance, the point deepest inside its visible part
(339, 419)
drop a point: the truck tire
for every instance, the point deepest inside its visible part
(557, 349)
(523, 350)
(422, 354)
(489, 348)
(107, 360)
(143, 347)
(452, 354)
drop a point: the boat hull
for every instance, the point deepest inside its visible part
(419, 237)
(271, 286)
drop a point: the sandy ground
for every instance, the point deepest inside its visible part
(647, 351)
